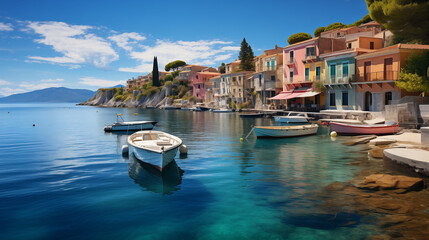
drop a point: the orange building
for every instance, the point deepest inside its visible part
(377, 72)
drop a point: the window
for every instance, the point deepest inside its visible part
(291, 76)
(310, 51)
(333, 72)
(260, 80)
(345, 69)
(349, 45)
(307, 74)
(273, 77)
(196, 76)
(317, 73)
(387, 98)
(345, 99)
(291, 56)
(371, 45)
(332, 99)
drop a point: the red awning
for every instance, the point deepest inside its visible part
(293, 95)
(280, 96)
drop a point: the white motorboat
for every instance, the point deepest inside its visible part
(223, 110)
(129, 126)
(292, 118)
(154, 147)
(285, 131)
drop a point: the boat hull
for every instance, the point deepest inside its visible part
(158, 160)
(285, 132)
(290, 119)
(350, 129)
(133, 127)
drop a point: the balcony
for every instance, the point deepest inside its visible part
(318, 78)
(290, 62)
(310, 58)
(342, 79)
(379, 76)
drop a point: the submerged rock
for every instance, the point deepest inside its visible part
(389, 182)
(360, 140)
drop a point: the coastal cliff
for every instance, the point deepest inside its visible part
(107, 98)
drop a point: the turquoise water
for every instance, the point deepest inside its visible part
(66, 178)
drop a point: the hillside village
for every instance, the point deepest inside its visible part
(353, 68)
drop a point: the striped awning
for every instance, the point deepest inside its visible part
(308, 94)
(280, 96)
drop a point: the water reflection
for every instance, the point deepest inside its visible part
(151, 179)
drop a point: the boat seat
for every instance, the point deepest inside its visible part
(164, 143)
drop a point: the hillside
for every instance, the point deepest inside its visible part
(50, 95)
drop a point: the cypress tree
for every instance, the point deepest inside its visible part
(246, 56)
(155, 73)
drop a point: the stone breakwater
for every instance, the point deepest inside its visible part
(106, 98)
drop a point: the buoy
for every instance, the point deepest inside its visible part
(183, 149)
(333, 134)
(323, 123)
(136, 114)
(125, 151)
(241, 139)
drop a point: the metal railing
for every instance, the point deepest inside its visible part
(379, 76)
(310, 57)
(342, 79)
(290, 61)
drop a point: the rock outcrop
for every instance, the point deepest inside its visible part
(106, 98)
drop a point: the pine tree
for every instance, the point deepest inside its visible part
(246, 56)
(155, 73)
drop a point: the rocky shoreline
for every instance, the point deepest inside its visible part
(106, 98)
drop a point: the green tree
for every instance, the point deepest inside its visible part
(175, 65)
(318, 31)
(406, 19)
(335, 26)
(246, 56)
(221, 68)
(155, 73)
(365, 19)
(298, 37)
(414, 76)
(169, 77)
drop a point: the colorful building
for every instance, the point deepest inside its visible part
(377, 72)
(188, 71)
(340, 73)
(140, 80)
(199, 83)
(268, 76)
(240, 86)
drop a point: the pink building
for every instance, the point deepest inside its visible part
(298, 54)
(200, 81)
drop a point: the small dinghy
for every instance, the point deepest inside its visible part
(154, 147)
(292, 118)
(285, 131)
(223, 110)
(129, 126)
(361, 129)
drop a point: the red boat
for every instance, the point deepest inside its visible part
(360, 129)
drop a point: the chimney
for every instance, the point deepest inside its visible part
(276, 46)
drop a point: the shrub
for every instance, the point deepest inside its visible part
(335, 26)
(194, 99)
(118, 97)
(151, 91)
(298, 37)
(168, 78)
(139, 96)
(168, 83)
(318, 31)
(318, 86)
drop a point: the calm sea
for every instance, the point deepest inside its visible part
(65, 178)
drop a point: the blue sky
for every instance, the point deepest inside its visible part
(93, 44)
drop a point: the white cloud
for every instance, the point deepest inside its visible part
(5, 27)
(126, 40)
(75, 43)
(204, 52)
(3, 82)
(52, 80)
(37, 86)
(97, 82)
(9, 91)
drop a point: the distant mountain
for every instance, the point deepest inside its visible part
(118, 86)
(50, 95)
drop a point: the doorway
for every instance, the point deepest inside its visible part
(368, 101)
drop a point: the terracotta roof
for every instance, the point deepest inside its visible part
(209, 73)
(405, 46)
(372, 23)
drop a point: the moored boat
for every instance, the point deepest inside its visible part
(252, 115)
(361, 129)
(292, 118)
(285, 131)
(154, 147)
(129, 126)
(223, 110)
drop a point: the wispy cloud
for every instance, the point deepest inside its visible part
(97, 82)
(52, 80)
(6, 27)
(37, 86)
(126, 40)
(205, 52)
(3, 83)
(9, 91)
(76, 44)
